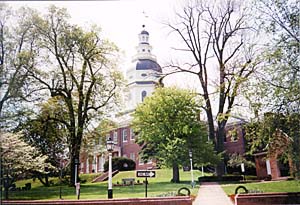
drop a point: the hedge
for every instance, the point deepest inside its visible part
(121, 164)
(222, 178)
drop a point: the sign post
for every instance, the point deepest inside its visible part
(146, 174)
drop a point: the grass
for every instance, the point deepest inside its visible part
(270, 186)
(158, 186)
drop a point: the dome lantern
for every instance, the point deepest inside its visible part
(144, 36)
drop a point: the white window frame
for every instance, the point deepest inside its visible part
(132, 137)
(124, 135)
(115, 137)
(132, 156)
(140, 161)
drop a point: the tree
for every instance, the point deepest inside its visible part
(19, 158)
(97, 135)
(168, 127)
(216, 34)
(17, 51)
(48, 136)
(76, 65)
(278, 83)
(277, 134)
(280, 78)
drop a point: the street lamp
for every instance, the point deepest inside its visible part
(110, 147)
(76, 163)
(192, 174)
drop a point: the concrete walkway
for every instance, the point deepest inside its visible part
(211, 193)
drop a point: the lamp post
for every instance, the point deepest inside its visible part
(77, 184)
(76, 163)
(192, 174)
(110, 148)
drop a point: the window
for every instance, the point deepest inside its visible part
(115, 136)
(124, 135)
(132, 156)
(141, 162)
(144, 94)
(131, 134)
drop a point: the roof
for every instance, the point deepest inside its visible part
(147, 64)
(145, 32)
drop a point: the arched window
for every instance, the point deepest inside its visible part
(144, 94)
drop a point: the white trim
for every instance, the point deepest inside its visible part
(124, 134)
(115, 138)
(132, 137)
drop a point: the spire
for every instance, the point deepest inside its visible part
(144, 36)
(144, 48)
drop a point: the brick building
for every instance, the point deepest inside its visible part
(142, 76)
(234, 141)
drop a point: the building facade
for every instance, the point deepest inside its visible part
(142, 77)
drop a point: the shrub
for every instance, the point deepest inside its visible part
(121, 164)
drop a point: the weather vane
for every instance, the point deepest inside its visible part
(145, 18)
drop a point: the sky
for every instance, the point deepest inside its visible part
(121, 21)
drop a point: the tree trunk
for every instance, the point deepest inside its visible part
(74, 153)
(210, 121)
(46, 182)
(220, 169)
(175, 178)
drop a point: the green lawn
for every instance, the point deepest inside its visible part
(272, 186)
(158, 186)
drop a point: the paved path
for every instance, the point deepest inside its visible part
(211, 193)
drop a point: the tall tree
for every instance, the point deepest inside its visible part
(216, 35)
(168, 128)
(45, 133)
(17, 51)
(280, 20)
(76, 65)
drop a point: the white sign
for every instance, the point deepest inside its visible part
(145, 173)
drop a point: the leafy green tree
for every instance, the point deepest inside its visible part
(45, 133)
(168, 127)
(78, 66)
(279, 82)
(17, 52)
(216, 35)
